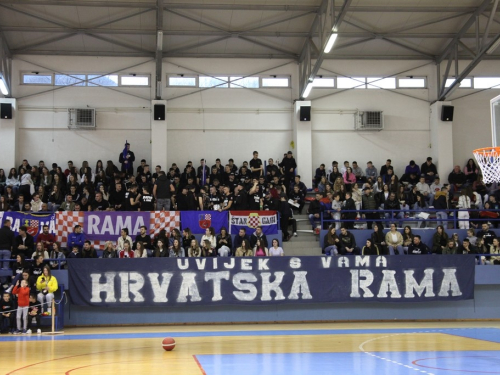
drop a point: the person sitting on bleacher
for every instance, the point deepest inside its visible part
(320, 173)
(348, 243)
(394, 241)
(238, 240)
(370, 248)
(331, 242)
(417, 247)
(88, 250)
(46, 285)
(314, 211)
(258, 235)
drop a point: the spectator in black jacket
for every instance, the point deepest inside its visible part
(88, 250)
(320, 172)
(242, 235)
(7, 240)
(486, 234)
(429, 170)
(286, 219)
(288, 165)
(369, 201)
(145, 239)
(442, 204)
(456, 179)
(348, 243)
(24, 243)
(300, 184)
(258, 235)
(417, 247)
(298, 197)
(350, 206)
(393, 209)
(314, 211)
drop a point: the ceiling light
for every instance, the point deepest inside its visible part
(330, 43)
(493, 47)
(3, 87)
(308, 89)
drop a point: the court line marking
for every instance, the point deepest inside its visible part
(199, 365)
(446, 369)
(361, 348)
(71, 356)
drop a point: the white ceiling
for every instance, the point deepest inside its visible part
(371, 29)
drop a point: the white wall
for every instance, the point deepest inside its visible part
(223, 123)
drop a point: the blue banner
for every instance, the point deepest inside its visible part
(34, 222)
(198, 221)
(270, 280)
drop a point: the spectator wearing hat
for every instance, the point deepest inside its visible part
(429, 170)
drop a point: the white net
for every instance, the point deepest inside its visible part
(489, 161)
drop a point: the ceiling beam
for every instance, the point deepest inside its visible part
(276, 34)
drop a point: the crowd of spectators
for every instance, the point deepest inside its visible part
(418, 193)
(484, 243)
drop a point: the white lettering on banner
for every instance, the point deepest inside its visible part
(412, 284)
(241, 281)
(295, 263)
(449, 283)
(326, 261)
(362, 261)
(188, 288)
(131, 283)
(217, 277)
(381, 261)
(215, 263)
(263, 220)
(107, 287)
(229, 265)
(389, 285)
(300, 285)
(263, 265)
(94, 226)
(246, 264)
(343, 262)
(160, 290)
(200, 263)
(268, 286)
(183, 264)
(363, 284)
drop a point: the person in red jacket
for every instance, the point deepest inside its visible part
(47, 239)
(23, 302)
(127, 251)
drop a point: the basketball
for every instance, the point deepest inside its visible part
(168, 344)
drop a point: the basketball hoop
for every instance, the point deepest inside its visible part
(488, 159)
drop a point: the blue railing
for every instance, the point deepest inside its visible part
(389, 216)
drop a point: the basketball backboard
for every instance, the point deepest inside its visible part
(495, 121)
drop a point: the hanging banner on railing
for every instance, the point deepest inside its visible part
(270, 280)
(101, 226)
(249, 220)
(33, 221)
(199, 221)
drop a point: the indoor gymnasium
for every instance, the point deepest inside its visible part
(321, 177)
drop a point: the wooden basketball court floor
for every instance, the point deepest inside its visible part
(334, 348)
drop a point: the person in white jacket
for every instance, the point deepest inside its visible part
(464, 204)
(121, 240)
(210, 235)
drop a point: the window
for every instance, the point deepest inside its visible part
(134, 80)
(70, 80)
(487, 82)
(219, 82)
(351, 83)
(381, 83)
(416, 82)
(276, 82)
(247, 82)
(37, 79)
(466, 83)
(100, 80)
(324, 82)
(182, 81)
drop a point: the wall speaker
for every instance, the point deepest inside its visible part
(159, 112)
(305, 113)
(447, 113)
(6, 110)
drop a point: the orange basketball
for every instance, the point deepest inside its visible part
(168, 344)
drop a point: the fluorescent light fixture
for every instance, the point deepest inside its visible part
(308, 89)
(3, 87)
(159, 40)
(493, 47)
(331, 42)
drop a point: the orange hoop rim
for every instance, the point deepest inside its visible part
(487, 151)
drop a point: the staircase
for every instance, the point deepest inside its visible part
(306, 242)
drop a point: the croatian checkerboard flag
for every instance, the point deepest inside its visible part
(249, 220)
(199, 221)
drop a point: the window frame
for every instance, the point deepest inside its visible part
(275, 76)
(399, 87)
(40, 74)
(135, 75)
(180, 75)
